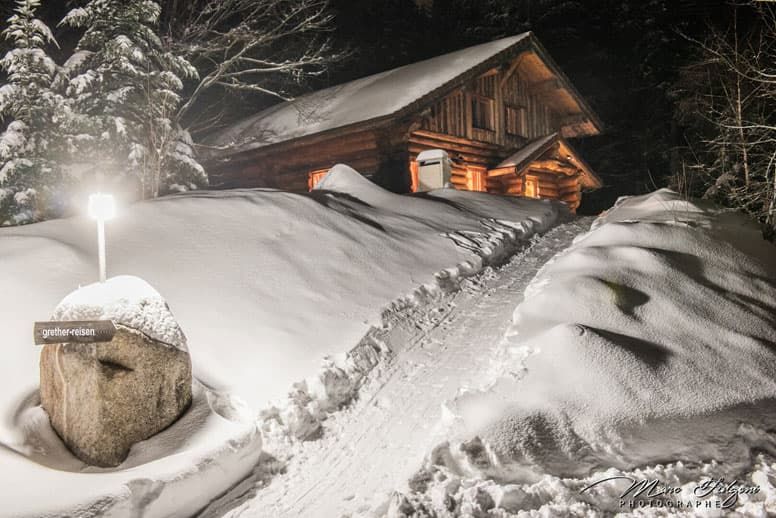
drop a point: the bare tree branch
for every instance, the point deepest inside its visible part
(246, 51)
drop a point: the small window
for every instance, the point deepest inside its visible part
(483, 113)
(531, 189)
(515, 121)
(315, 176)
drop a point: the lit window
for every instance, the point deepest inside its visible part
(315, 176)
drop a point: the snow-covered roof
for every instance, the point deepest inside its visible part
(365, 99)
(529, 152)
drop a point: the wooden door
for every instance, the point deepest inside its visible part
(531, 187)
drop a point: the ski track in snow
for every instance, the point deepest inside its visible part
(373, 447)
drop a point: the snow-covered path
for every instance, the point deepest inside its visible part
(374, 447)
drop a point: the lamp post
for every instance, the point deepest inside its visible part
(102, 207)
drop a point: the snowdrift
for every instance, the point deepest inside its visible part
(650, 342)
(266, 285)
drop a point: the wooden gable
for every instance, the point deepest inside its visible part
(509, 105)
(547, 167)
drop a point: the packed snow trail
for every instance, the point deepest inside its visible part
(374, 447)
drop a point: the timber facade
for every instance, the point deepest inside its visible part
(503, 112)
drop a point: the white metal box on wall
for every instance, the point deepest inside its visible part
(434, 169)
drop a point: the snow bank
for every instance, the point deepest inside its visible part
(174, 473)
(267, 286)
(651, 340)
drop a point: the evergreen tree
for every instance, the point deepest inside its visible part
(31, 178)
(128, 87)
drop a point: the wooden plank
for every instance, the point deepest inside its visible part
(499, 107)
(467, 104)
(574, 119)
(565, 181)
(421, 144)
(439, 137)
(555, 166)
(548, 86)
(509, 72)
(501, 171)
(547, 176)
(547, 193)
(548, 186)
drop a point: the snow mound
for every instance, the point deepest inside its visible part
(662, 205)
(126, 300)
(652, 339)
(174, 473)
(343, 178)
(267, 286)
(346, 180)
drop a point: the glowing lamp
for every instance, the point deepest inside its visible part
(102, 207)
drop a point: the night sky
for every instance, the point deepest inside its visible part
(623, 57)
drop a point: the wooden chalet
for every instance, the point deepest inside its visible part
(502, 110)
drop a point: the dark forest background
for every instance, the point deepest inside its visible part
(624, 57)
(629, 59)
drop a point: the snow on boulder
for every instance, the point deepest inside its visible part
(104, 397)
(653, 338)
(126, 300)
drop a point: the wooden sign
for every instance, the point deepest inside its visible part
(81, 332)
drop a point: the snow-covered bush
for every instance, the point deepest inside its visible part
(128, 88)
(31, 178)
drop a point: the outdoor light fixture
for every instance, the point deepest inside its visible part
(102, 207)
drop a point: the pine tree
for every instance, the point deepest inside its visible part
(128, 86)
(31, 178)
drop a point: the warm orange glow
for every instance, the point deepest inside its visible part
(315, 176)
(475, 179)
(531, 187)
(413, 176)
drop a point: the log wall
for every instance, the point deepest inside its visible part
(518, 113)
(509, 109)
(288, 167)
(550, 184)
